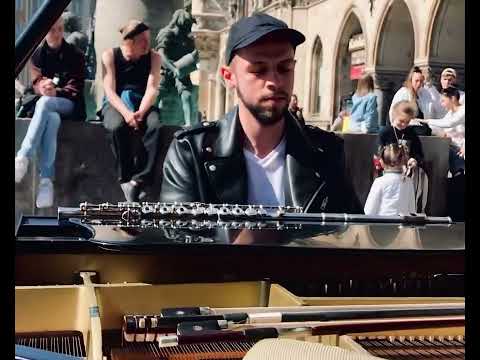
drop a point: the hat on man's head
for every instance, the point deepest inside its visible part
(449, 71)
(250, 29)
(132, 29)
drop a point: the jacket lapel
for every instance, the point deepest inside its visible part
(226, 168)
(304, 177)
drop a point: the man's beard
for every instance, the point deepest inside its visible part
(266, 116)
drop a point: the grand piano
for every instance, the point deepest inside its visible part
(97, 281)
(137, 259)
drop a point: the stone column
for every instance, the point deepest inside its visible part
(207, 44)
(388, 81)
(212, 88)
(220, 94)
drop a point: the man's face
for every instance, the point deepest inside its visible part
(263, 75)
(401, 121)
(141, 43)
(417, 81)
(54, 36)
(447, 80)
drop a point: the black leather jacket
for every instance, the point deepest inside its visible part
(206, 164)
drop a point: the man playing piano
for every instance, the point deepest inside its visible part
(257, 153)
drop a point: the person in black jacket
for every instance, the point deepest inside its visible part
(58, 73)
(258, 153)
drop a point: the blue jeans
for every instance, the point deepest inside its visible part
(42, 132)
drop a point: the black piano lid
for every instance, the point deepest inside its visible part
(48, 232)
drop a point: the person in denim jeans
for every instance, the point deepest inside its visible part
(58, 70)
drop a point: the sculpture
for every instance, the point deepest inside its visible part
(176, 46)
(73, 31)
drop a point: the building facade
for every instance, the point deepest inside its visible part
(344, 39)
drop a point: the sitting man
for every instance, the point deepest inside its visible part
(130, 78)
(258, 153)
(58, 73)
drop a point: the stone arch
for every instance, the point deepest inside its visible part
(394, 51)
(317, 78)
(350, 26)
(396, 40)
(447, 38)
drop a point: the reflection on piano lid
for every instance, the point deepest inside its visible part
(368, 236)
(233, 244)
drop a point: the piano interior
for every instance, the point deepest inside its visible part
(57, 318)
(73, 295)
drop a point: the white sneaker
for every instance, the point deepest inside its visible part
(45, 193)
(21, 167)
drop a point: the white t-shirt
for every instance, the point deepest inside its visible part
(390, 195)
(266, 176)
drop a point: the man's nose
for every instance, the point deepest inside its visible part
(274, 79)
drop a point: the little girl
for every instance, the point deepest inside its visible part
(392, 193)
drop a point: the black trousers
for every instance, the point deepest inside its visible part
(135, 151)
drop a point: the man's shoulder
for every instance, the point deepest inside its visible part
(195, 130)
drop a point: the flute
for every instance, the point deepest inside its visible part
(148, 214)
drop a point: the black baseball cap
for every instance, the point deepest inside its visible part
(250, 29)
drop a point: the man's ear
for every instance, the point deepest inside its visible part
(228, 76)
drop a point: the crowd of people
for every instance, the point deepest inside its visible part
(261, 152)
